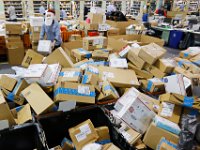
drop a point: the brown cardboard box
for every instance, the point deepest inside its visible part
(35, 36)
(59, 56)
(57, 148)
(70, 75)
(2, 39)
(110, 146)
(113, 31)
(139, 145)
(37, 98)
(109, 90)
(66, 144)
(13, 28)
(156, 134)
(92, 43)
(5, 113)
(140, 72)
(100, 55)
(170, 111)
(15, 56)
(165, 65)
(121, 25)
(92, 79)
(135, 59)
(14, 38)
(13, 45)
(154, 85)
(7, 82)
(196, 60)
(83, 134)
(75, 37)
(81, 54)
(103, 133)
(190, 52)
(96, 17)
(152, 52)
(166, 145)
(80, 92)
(154, 71)
(35, 29)
(91, 26)
(116, 45)
(83, 64)
(32, 57)
(24, 115)
(115, 76)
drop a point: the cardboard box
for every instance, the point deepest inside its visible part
(156, 134)
(34, 94)
(165, 65)
(113, 31)
(92, 79)
(140, 72)
(81, 54)
(174, 84)
(139, 145)
(103, 133)
(115, 77)
(77, 92)
(84, 63)
(166, 145)
(135, 59)
(83, 134)
(118, 63)
(109, 90)
(155, 85)
(7, 82)
(13, 38)
(96, 18)
(170, 111)
(59, 56)
(110, 146)
(14, 28)
(100, 55)
(154, 71)
(196, 60)
(152, 52)
(5, 113)
(35, 37)
(70, 74)
(124, 51)
(91, 26)
(35, 29)
(121, 25)
(24, 115)
(44, 47)
(32, 57)
(2, 39)
(75, 37)
(92, 43)
(190, 52)
(15, 55)
(36, 21)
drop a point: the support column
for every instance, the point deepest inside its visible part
(2, 11)
(123, 7)
(57, 9)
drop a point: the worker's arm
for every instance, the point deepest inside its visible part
(57, 33)
(42, 32)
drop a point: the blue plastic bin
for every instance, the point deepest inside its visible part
(175, 38)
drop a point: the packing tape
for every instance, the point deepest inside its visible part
(197, 62)
(70, 91)
(188, 101)
(182, 62)
(163, 140)
(83, 51)
(186, 55)
(18, 108)
(85, 79)
(103, 142)
(166, 127)
(11, 96)
(61, 74)
(149, 85)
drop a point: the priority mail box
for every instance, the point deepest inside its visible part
(92, 43)
(115, 76)
(151, 53)
(37, 98)
(68, 91)
(83, 134)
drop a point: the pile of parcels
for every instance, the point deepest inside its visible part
(150, 94)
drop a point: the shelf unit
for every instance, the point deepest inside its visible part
(18, 8)
(193, 6)
(135, 8)
(67, 6)
(118, 5)
(37, 4)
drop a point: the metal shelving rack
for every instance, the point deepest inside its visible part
(37, 4)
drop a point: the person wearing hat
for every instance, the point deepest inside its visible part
(51, 29)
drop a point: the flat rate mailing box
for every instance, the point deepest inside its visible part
(82, 93)
(7, 82)
(83, 134)
(190, 52)
(32, 57)
(37, 98)
(92, 43)
(59, 56)
(152, 52)
(135, 59)
(154, 135)
(5, 113)
(115, 76)
(70, 75)
(165, 65)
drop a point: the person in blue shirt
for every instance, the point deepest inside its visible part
(51, 29)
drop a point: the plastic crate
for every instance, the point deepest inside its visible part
(25, 137)
(56, 126)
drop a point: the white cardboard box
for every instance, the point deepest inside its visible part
(44, 47)
(119, 63)
(36, 21)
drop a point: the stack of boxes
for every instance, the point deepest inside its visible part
(14, 43)
(35, 28)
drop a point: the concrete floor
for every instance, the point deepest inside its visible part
(5, 68)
